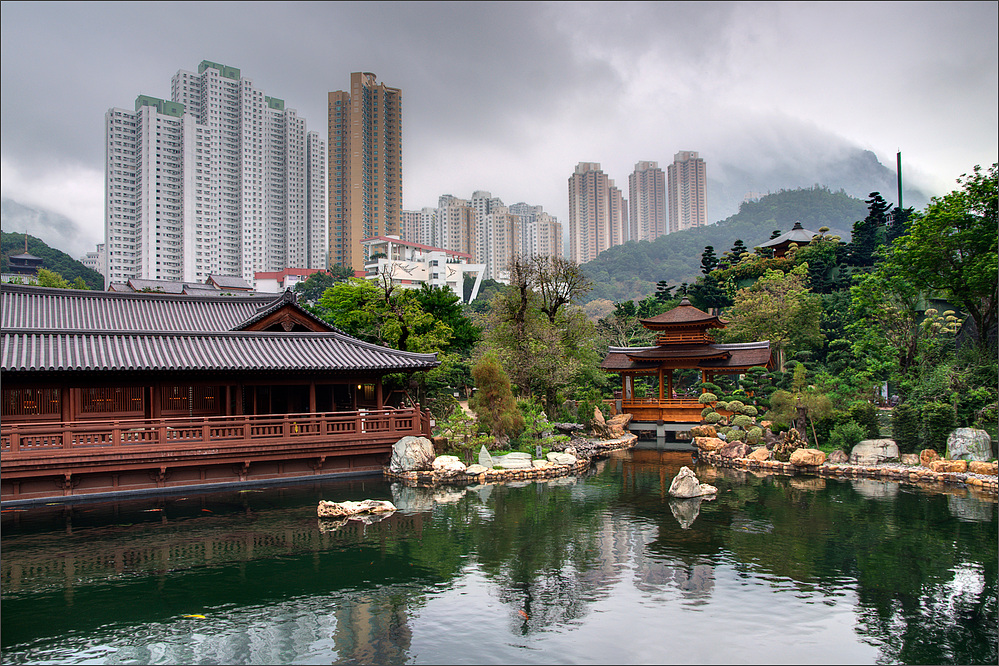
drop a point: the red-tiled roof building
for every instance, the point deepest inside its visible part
(683, 341)
(115, 392)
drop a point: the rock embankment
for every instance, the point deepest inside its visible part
(413, 462)
(872, 460)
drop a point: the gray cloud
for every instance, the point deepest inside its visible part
(510, 96)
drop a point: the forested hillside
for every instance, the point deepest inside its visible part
(54, 260)
(632, 270)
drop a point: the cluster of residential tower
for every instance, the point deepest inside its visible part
(224, 180)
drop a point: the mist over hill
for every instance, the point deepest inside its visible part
(632, 270)
(855, 171)
(55, 229)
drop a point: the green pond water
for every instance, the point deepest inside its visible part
(601, 569)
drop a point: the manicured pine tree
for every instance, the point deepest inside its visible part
(709, 261)
(493, 402)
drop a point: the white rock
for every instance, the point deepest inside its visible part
(343, 509)
(686, 485)
(515, 460)
(540, 464)
(561, 458)
(475, 470)
(411, 453)
(874, 452)
(969, 444)
(485, 459)
(448, 465)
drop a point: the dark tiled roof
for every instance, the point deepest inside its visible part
(230, 282)
(64, 309)
(685, 313)
(30, 351)
(69, 330)
(743, 355)
(798, 234)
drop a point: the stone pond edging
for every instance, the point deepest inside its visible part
(918, 474)
(593, 448)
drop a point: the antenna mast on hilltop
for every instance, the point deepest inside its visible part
(899, 169)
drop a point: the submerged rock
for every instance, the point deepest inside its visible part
(344, 509)
(685, 485)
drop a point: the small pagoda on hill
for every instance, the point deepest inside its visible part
(683, 341)
(798, 235)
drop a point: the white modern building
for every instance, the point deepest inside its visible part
(413, 264)
(219, 180)
(96, 260)
(648, 219)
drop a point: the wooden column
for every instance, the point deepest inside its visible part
(669, 383)
(156, 401)
(660, 384)
(378, 393)
(312, 397)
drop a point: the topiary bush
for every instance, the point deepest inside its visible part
(707, 410)
(713, 417)
(743, 421)
(749, 410)
(736, 406)
(705, 398)
(905, 427)
(754, 435)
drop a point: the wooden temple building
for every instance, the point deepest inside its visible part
(683, 342)
(120, 392)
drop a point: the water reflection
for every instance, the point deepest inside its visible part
(492, 570)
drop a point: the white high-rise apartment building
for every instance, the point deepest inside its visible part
(221, 180)
(541, 232)
(647, 195)
(500, 240)
(598, 213)
(688, 197)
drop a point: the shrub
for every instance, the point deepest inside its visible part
(749, 410)
(713, 417)
(707, 397)
(866, 416)
(721, 404)
(707, 410)
(754, 434)
(905, 427)
(743, 421)
(736, 406)
(736, 435)
(939, 419)
(845, 436)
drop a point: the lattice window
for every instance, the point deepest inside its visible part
(192, 399)
(32, 402)
(112, 400)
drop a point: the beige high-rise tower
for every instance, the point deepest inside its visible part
(598, 213)
(365, 166)
(647, 191)
(687, 177)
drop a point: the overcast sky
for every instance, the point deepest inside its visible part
(508, 97)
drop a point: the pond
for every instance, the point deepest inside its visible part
(604, 568)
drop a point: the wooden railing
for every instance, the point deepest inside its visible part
(677, 410)
(217, 432)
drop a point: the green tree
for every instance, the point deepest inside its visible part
(709, 261)
(445, 306)
(952, 247)
(780, 308)
(47, 278)
(869, 233)
(493, 401)
(384, 313)
(311, 289)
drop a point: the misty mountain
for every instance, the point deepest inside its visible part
(55, 229)
(855, 171)
(632, 270)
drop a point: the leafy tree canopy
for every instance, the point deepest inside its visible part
(952, 247)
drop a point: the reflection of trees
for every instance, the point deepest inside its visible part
(926, 583)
